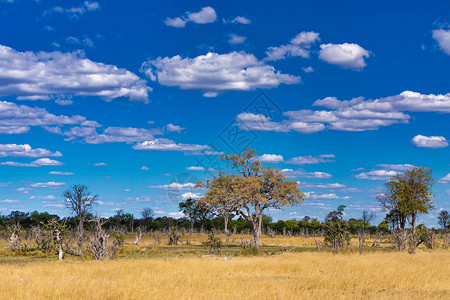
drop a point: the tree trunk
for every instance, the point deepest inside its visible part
(80, 236)
(256, 234)
(227, 233)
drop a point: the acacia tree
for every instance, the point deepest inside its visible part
(408, 195)
(195, 210)
(444, 219)
(254, 189)
(79, 200)
(221, 198)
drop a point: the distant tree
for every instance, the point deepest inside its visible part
(79, 200)
(366, 218)
(408, 195)
(255, 189)
(336, 231)
(444, 219)
(147, 215)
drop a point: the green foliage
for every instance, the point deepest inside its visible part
(213, 244)
(336, 231)
(248, 249)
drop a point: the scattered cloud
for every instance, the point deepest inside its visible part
(174, 128)
(169, 145)
(42, 75)
(25, 150)
(310, 160)
(442, 37)
(300, 173)
(35, 164)
(395, 167)
(76, 12)
(429, 141)
(100, 164)
(238, 20)
(235, 39)
(298, 46)
(357, 114)
(270, 158)
(174, 185)
(204, 16)
(308, 69)
(349, 56)
(61, 173)
(446, 179)
(215, 73)
(50, 184)
(144, 168)
(377, 175)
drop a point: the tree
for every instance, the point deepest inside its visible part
(336, 230)
(220, 198)
(195, 210)
(147, 215)
(254, 189)
(408, 195)
(366, 218)
(79, 200)
(444, 219)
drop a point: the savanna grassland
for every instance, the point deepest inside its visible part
(286, 268)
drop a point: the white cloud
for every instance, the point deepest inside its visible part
(195, 168)
(76, 12)
(235, 39)
(350, 56)
(9, 201)
(117, 135)
(323, 185)
(174, 185)
(325, 196)
(17, 119)
(24, 190)
(446, 179)
(216, 73)
(80, 41)
(50, 184)
(396, 167)
(429, 141)
(5, 184)
(44, 75)
(299, 46)
(37, 163)
(100, 164)
(239, 20)
(189, 195)
(309, 160)
(357, 114)
(270, 158)
(25, 150)
(299, 173)
(61, 173)
(377, 175)
(308, 69)
(204, 16)
(174, 128)
(49, 197)
(169, 145)
(442, 36)
(144, 168)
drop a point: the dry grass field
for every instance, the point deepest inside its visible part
(144, 272)
(287, 276)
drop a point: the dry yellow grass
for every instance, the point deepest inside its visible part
(287, 276)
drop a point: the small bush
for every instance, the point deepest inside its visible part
(213, 244)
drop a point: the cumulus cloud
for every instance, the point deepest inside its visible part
(429, 141)
(442, 37)
(35, 164)
(325, 196)
(445, 180)
(270, 158)
(298, 46)
(300, 173)
(174, 185)
(43, 75)
(238, 20)
(349, 56)
(396, 167)
(357, 114)
(377, 175)
(174, 128)
(169, 145)
(25, 150)
(309, 160)
(215, 73)
(17, 119)
(308, 69)
(235, 39)
(50, 184)
(204, 16)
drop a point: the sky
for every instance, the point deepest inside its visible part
(139, 99)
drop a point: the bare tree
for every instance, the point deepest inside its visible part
(147, 215)
(366, 218)
(79, 200)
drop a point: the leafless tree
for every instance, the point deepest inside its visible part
(366, 218)
(79, 200)
(99, 241)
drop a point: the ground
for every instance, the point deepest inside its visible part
(150, 271)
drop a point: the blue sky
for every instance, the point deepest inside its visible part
(137, 99)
